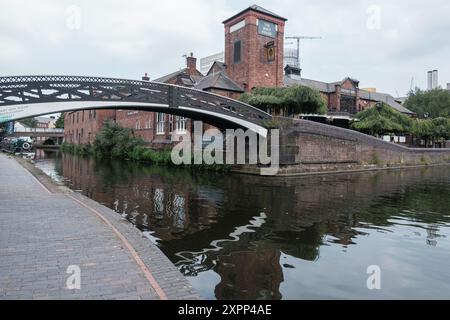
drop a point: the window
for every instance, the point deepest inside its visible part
(181, 124)
(160, 123)
(348, 104)
(148, 123)
(237, 52)
(138, 125)
(170, 123)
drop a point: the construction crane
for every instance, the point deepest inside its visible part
(298, 38)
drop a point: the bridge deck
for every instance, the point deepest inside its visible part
(45, 228)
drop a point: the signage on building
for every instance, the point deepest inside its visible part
(270, 51)
(237, 26)
(268, 29)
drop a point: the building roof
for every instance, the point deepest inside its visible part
(256, 8)
(44, 119)
(222, 66)
(331, 87)
(318, 85)
(219, 81)
(171, 75)
(387, 98)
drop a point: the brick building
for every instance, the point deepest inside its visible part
(254, 48)
(345, 97)
(81, 127)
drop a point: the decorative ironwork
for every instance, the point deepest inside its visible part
(28, 90)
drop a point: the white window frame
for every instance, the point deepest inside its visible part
(160, 123)
(181, 125)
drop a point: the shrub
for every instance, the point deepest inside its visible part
(293, 100)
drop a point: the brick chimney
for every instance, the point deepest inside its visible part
(146, 77)
(191, 64)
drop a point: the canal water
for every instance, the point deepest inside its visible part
(244, 237)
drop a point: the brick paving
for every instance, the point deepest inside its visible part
(44, 229)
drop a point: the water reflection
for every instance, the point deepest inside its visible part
(242, 237)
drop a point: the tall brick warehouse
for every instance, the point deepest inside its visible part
(254, 48)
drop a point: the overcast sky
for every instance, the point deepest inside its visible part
(384, 44)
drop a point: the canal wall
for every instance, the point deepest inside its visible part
(311, 147)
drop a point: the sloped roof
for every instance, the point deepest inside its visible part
(386, 98)
(170, 76)
(331, 87)
(318, 85)
(44, 119)
(259, 9)
(218, 81)
(222, 66)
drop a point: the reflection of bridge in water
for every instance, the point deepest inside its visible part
(239, 227)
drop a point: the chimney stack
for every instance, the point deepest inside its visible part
(191, 64)
(145, 77)
(435, 79)
(430, 80)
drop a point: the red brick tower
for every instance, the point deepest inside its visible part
(254, 47)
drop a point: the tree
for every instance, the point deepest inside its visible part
(441, 128)
(423, 129)
(292, 100)
(115, 141)
(30, 122)
(437, 129)
(429, 104)
(382, 119)
(59, 124)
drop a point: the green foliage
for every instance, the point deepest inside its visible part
(293, 100)
(429, 104)
(30, 122)
(82, 150)
(59, 124)
(115, 141)
(143, 154)
(436, 129)
(441, 128)
(382, 119)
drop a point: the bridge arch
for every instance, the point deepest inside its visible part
(29, 96)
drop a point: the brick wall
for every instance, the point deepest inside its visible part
(254, 70)
(311, 146)
(81, 127)
(142, 123)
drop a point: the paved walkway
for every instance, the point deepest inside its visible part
(45, 229)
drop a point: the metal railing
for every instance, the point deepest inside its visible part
(39, 130)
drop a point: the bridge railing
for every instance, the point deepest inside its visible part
(39, 130)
